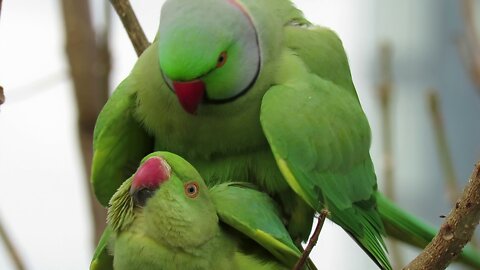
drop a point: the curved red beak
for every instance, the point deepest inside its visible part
(151, 174)
(189, 94)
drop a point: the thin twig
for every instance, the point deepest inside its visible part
(385, 91)
(131, 24)
(10, 247)
(36, 87)
(456, 230)
(313, 240)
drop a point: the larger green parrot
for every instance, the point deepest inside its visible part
(249, 89)
(165, 217)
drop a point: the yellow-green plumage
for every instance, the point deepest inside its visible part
(208, 231)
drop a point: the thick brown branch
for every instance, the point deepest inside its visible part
(131, 24)
(455, 232)
(89, 68)
(312, 242)
(10, 247)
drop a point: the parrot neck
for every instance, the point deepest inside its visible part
(133, 248)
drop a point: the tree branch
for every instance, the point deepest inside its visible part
(10, 247)
(442, 145)
(2, 96)
(456, 230)
(89, 69)
(313, 241)
(384, 92)
(469, 45)
(131, 24)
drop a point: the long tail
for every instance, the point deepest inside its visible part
(411, 230)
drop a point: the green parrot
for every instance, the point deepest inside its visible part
(249, 89)
(165, 217)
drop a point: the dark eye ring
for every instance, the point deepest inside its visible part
(191, 189)
(222, 59)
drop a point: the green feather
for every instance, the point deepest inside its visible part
(115, 157)
(102, 260)
(303, 131)
(260, 220)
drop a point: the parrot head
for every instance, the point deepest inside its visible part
(209, 51)
(168, 200)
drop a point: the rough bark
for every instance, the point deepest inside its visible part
(131, 24)
(456, 230)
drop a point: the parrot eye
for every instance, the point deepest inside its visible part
(141, 196)
(191, 189)
(222, 59)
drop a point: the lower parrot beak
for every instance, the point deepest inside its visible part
(189, 94)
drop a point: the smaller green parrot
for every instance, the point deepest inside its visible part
(165, 217)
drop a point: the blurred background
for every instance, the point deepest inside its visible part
(412, 62)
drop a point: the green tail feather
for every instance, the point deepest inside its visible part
(411, 230)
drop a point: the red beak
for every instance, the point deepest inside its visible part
(151, 174)
(189, 94)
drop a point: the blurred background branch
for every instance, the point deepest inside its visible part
(444, 153)
(456, 230)
(470, 43)
(12, 251)
(131, 24)
(89, 62)
(385, 95)
(2, 96)
(384, 92)
(36, 87)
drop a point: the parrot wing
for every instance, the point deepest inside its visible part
(320, 139)
(119, 142)
(102, 260)
(260, 221)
